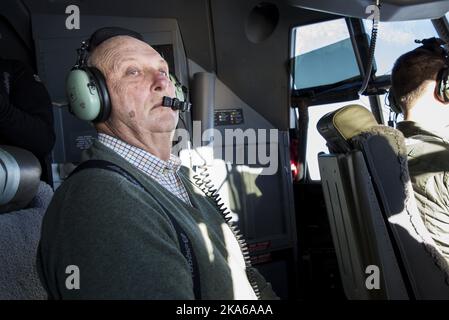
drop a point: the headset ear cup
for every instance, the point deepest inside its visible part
(443, 85)
(100, 83)
(82, 94)
(88, 95)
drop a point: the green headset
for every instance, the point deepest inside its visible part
(434, 45)
(86, 88)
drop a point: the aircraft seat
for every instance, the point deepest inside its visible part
(23, 202)
(383, 248)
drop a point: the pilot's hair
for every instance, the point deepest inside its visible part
(410, 73)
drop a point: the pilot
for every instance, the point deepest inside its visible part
(26, 118)
(420, 91)
(142, 230)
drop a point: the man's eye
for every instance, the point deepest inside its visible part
(165, 73)
(132, 72)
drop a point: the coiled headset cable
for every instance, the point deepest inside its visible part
(372, 48)
(203, 181)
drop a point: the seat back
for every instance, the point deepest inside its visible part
(20, 173)
(375, 224)
(24, 200)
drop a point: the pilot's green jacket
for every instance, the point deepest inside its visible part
(124, 246)
(428, 162)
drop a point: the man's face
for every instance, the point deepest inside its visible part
(137, 78)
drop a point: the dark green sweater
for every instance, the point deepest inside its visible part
(125, 246)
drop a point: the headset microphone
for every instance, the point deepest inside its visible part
(176, 104)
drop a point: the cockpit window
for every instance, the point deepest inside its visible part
(323, 55)
(396, 38)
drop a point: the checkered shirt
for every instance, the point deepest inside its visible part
(164, 172)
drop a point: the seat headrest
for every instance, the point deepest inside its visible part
(339, 126)
(20, 173)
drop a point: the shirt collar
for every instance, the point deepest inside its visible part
(143, 160)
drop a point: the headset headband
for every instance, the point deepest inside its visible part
(434, 45)
(98, 37)
(103, 34)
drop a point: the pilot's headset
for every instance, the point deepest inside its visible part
(434, 45)
(86, 87)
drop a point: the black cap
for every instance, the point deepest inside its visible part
(106, 33)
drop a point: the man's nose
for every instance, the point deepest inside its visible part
(160, 82)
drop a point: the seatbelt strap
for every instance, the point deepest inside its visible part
(184, 242)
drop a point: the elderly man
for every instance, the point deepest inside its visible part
(108, 236)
